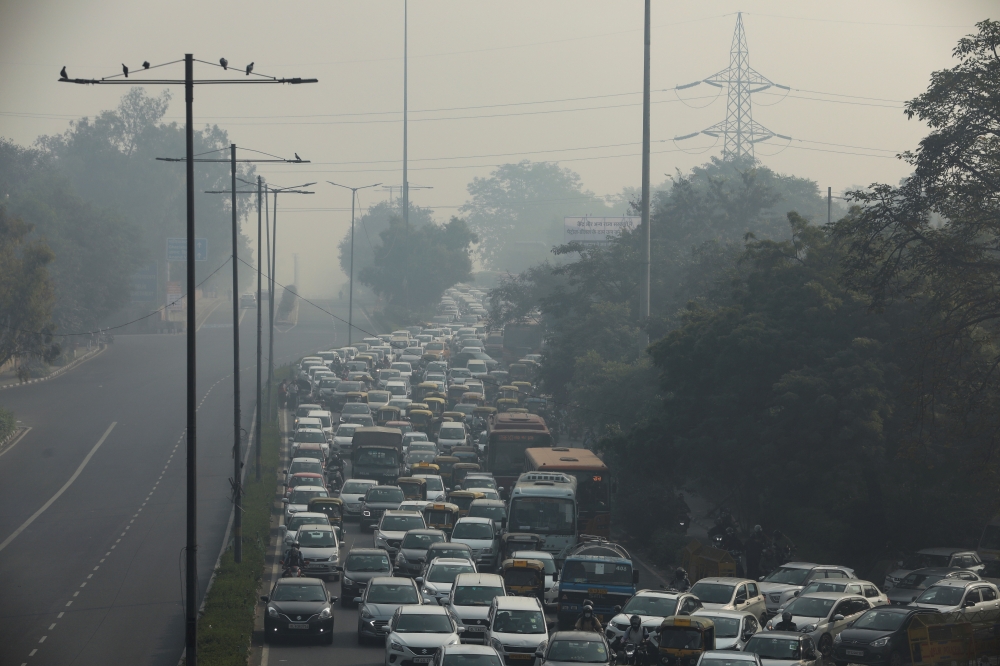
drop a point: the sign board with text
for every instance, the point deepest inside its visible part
(144, 284)
(177, 249)
(597, 229)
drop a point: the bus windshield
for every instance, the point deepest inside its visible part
(543, 515)
(506, 450)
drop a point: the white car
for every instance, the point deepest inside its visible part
(732, 628)
(414, 436)
(780, 586)
(321, 549)
(393, 526)
(398, 389)
(731, 594)
(823, 615)
(435, 584)
(784, 648)
(865, 588)
(416, 633)
(421, 445)
(291, 528)
(651, 606)
(551, 572)
(326, 421)
(310, 435)
(451, 435)
(950, 595)
(303, 465)
(435, 487)
(470, 600)
(480, 535)
(516, 626)
(352, 493)
(343, 438)
(298, 499)
(378, 399)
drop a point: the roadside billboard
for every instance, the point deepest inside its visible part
(596, 229)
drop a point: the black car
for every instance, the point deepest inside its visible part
(877, 637)
(915, 582)
(299, 607)
(413, 550)
(361, 565)
(377, 501)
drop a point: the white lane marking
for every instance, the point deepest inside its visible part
(207, 316)
(52, 626)
(68, 603)
(58, 494)
(77, 593)
(90, 575)
(32, 653)
(84, 583)
(61, 613)
(19, 438)
(42, 639)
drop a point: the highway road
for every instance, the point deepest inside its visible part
(93, 496)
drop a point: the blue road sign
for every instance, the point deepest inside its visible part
(144, 285)
(177, 249)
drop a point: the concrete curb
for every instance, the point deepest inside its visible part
(58, 371)
(13, 433)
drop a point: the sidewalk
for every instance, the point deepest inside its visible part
(10, 380)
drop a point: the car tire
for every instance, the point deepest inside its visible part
(825, 646)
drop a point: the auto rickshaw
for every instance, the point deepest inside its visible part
(476, 399)
(446, 463)
(333, 507)
(436, 405)
(457, 417)
(414, 487)
(441, 516)
(355, 396)
(524, 578)
(508, 392)
(463, 500)
(460, 469)
(506, 404)
(403, 426)
(421, 419)
(467, 454)
(455, 393)
(421, 389)
(418, 405)
(523, 390)
(517, 410)
(387, 413)
(512, 542)
(424, 468)
(682, 639)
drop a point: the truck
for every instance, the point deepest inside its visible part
(597, 570)
(377, 453)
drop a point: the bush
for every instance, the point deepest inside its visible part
(7, 423)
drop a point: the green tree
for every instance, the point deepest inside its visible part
(26, 292)
(368, 229)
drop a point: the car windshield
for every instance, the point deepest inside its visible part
(309, 435)
(880, 620)
(323, 418)
(314, 453)
(494, 513)
(355, 488)
(713, 593)
(654, 605)
(941, 595)
(367, 563)
(450, 552)
(297, 480)
(378, 396)
(434, 483)
(297, 521)
(310, 466)
(824, 586)
(810, 607)
(346, 430)
(385, 494)
(316, 539)
(392, 593)
(452, 433)
(472, 531)
(299, 592)
(303, 495)
(446, 573)
(402, 367)
(476, 595)
(728, 661)
(479, 482)
(401, 523)
(725, 627)
(347, 387)
(601, 573)
(421, 540)
(519, 622)
(584, 652)
(918, 581)
(773, 648)
(787, 576)
(328, 383)
(424, 624)
(411, 437)
(355, 408)
(924, 560)
(679, 638)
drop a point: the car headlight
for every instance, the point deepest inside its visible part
(272, 611)
(487, 551)
(497, 645)
(882, 642)
(366, 513)
(838, 638)
(809, 628)
(365, 614)
(325, 614)
(400, 559)
(395, 646)
(347, 581)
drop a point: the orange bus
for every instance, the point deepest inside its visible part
(593, 490)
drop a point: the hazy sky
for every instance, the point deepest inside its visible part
(492, 82)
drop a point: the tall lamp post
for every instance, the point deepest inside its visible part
(350, 298)
(189, 82)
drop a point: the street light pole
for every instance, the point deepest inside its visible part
(191, 548)
(257, 457)
(406, 188)
(237, 439)
(350, 298)
(644, 279)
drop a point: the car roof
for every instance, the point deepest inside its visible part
(955, 582)
(449, 560)
(724, 579)
(468, 648)
(532, 554)
(708, 612)
(449, 544)
(783, 634)
(319, 526)
(474, 519)
(658, 593)
(401, 512)
(798, 565)
(939, 571)
(299, 581)
(428, 609)
(943, 551)
(391, 580)
(367, 551)
(310, 460)
(588, 636)
(479, 579)
(516, 603)
(731, 655)
(426, 530)
(367, 482)
(829, 595)
(309, 514)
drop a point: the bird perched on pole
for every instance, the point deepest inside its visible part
(249, 69)
(125, 69)
(62, 73)
(224, 63)
(145, 64)
(297, 157)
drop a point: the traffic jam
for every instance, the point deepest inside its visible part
(485, 538)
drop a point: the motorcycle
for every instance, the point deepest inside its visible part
(632, 654)
(292, 572)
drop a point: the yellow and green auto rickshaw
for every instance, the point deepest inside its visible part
(422, 419)
(436, 405)
(504, 405)
(681, 639)
(414, 487)
(421, 389)
(441, 516)
(455, 393)
(470, 398)
(446, 463)
(517, 410)
(523, 390)
(457, 417)
(524, 578)
(460, 469)
(402, 426)
(333, 507)
(463, 500)
(425, 468)
(387, 413)
(355, 396)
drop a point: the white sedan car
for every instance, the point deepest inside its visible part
(416, 632)
(823, 615)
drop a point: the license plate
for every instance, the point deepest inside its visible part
(597, 590)
(855, 653)
(422, 660)
(476, 628)
(520, 656)
(298, 626)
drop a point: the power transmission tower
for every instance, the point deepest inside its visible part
(739, 130)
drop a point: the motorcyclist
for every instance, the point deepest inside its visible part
(294, 558)
(723, 521)
(636, 634)
(786, 623)
(588, 621)
(754, 549)
(680, 581)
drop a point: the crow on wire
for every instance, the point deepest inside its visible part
(125, 69)
(145, 64)
(249, 69)
(224, 63)
(62, 73)
(297, 157)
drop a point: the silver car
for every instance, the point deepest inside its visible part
(320, 550)
(469, 603)
(382, 596)
(823, 615)
(784, 648)
(951, 595)
(780, 586)
(436, 582)
(352, 493)
(732, 628)
(651, 606)
(730, 594)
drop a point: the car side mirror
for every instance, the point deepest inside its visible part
(284, 471)
(969, 603)
(796, 593)
(761, 579)
(284, 500)
(441, 600)
(460, 630)
(284, 530)
(265, 598)
(419, 580)
(357, 600)
(333, 600)
(539, 654)
(838, 617)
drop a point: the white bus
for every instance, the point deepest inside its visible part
(544, 503)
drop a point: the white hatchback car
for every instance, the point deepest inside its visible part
(516, 627)
(480, 535)
(823, 615)
(435, 583)
(470, 601)
(416, 632)
(950, 595)
(731, 594)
